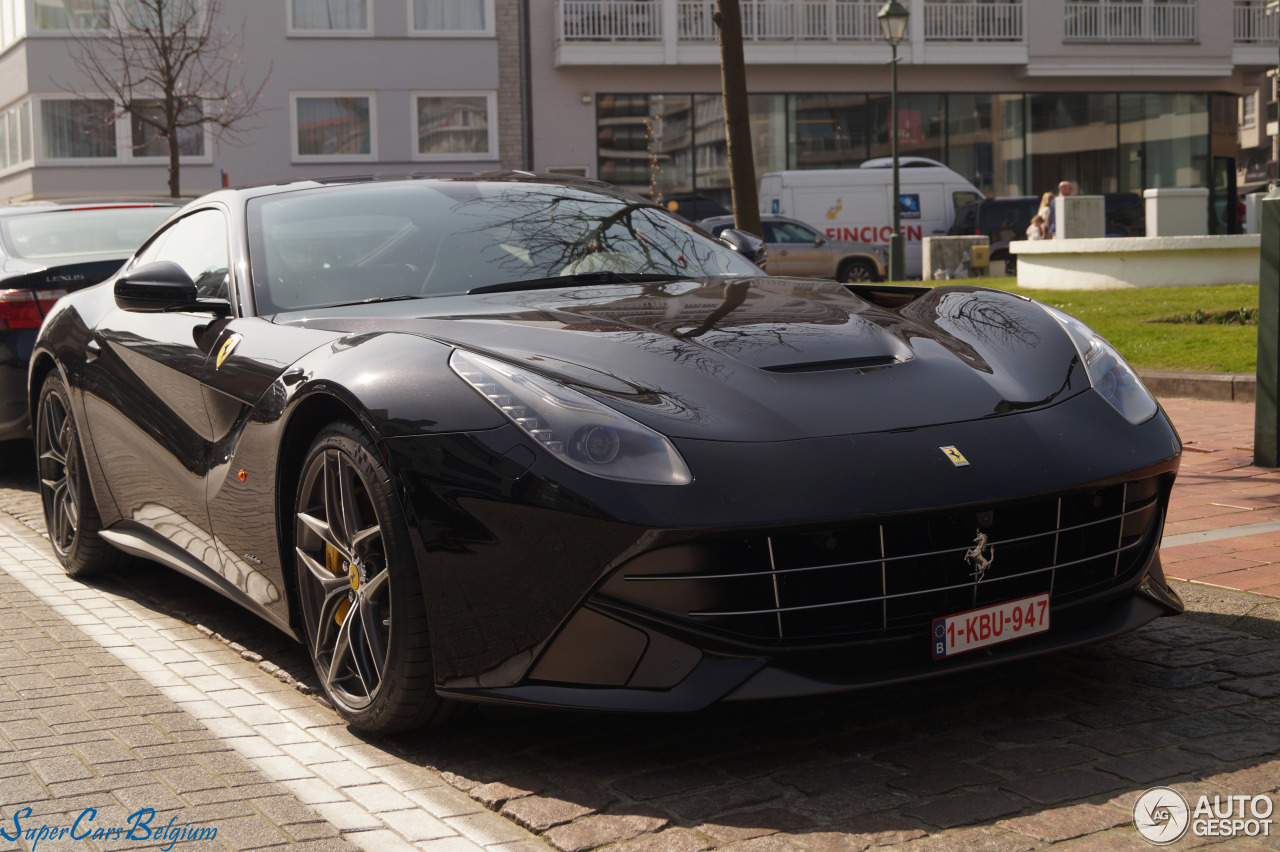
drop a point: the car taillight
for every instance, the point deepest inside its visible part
(26, 308)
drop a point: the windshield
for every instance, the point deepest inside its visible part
(340, 245)
(74, 232)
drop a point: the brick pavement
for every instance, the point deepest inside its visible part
(1026, 756)
(1223, 527)
(106, 705)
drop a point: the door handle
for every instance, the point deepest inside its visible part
(92, 350)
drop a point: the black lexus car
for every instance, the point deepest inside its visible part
(49, 249)
(518, 439)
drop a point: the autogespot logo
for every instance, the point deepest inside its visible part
(1161, 815)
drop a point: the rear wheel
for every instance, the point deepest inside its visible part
(857, 272)
(70, 513)
(360, 593)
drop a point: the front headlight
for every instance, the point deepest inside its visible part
(1109, 374)
(573, 427)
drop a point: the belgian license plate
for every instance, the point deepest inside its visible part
(991, 625)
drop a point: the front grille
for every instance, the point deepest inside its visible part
(892, 576)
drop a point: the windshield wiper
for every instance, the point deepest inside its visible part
(375, 300)
(604, 276)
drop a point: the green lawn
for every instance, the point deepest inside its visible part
(1122, 316)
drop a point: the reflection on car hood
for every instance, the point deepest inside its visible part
(761, 358)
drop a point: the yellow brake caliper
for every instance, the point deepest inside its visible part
(333, 561)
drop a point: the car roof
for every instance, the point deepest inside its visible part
(26, 208)
(510, 176)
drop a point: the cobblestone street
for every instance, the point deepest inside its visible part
(147, 692)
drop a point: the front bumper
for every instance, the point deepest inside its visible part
(524, 563)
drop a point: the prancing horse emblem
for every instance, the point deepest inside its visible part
(980, 557)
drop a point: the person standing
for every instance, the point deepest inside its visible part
(1046, 202)
(1051, 226)
(1035, 231)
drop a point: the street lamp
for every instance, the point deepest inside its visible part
(893, 25)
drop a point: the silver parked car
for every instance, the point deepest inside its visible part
(797, 249)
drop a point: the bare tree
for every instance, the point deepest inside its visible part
(174, 72)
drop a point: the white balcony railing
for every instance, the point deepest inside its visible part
(610, 20)
(968, 21)
(1256, 22)
(787, 20)
(1131, 20)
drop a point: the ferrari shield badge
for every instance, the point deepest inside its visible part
(957, 457)
(227, 346)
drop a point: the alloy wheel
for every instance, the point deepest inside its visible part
(346, 594)
(58, 452)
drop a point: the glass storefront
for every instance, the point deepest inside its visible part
(1006, 144)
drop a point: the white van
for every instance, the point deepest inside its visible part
(853, 204)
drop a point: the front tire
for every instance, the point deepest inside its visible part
(70, 513)
(857, 272)
(366, 622)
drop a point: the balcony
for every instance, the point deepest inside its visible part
(787, 20)
(1131, 21)
(1256, 22)
(622, 32)
(972, 22)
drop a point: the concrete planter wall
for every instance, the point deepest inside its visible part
(1129, 262)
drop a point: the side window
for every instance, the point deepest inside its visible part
(961, 198)
(790, 232)
(197, 243)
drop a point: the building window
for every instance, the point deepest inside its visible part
(333, 126)
(455, 125)
(77, 129)
(13, 22)
(1249, 110)
(146, 138)
(141, 14)
(15, 135)
(326, 17)
(72, 15)
(451, 17)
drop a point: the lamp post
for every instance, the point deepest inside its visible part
(893, 25)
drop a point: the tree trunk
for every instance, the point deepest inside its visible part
(733, 79)
(173, 164)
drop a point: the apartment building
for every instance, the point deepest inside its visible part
(1116, 95)
(353, 86)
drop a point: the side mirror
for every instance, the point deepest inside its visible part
(162, 286)
(750, 247)
(819, 240)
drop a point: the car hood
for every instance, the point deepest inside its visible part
(760, 358)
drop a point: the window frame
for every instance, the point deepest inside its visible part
(491, 99)
(38, 134)
(294, 32)
(1249, 110)
(19, 163)
(115, 18)
(203, 159)
(294, 154)
(489, 30)
(124, 155)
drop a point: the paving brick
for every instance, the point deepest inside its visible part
(671, 840)
(965, 809)
(1150, 767)
(1054, 826)
(987, 839)
(943, 779)
(538, 813)
(743, 825)
(1057, 787)
(1236, 746)
(590, 832)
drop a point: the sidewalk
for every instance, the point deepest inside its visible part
(1223, 527)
